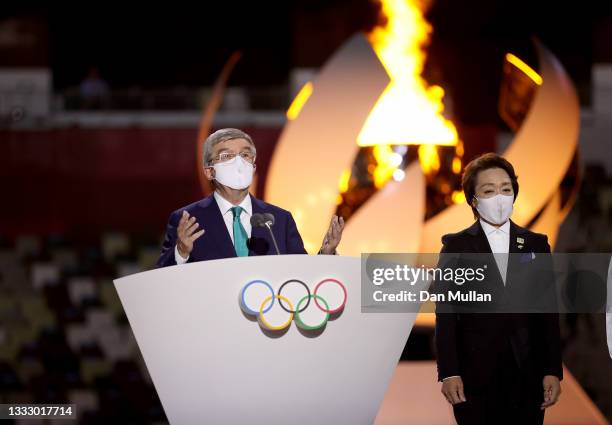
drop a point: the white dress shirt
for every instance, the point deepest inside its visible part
(499, 241)
(225, 207)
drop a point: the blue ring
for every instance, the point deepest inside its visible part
(252, 312)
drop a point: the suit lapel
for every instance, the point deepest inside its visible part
(216, 228)
(480, 244)
(479, 240)
(518, 244)
(517, 239)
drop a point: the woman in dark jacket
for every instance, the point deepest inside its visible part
(497, 368)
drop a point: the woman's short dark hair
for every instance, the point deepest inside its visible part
(485, 162)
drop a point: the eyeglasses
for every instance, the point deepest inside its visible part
(228, 156)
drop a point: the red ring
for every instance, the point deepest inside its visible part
(319, 305)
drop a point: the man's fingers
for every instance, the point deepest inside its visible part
(196, 235)
(330, 230)
(328, 234)
(185, 220)
(334, 230)
(187, 225)
(547, 404)
(338, 226)
(184, 233)
(191, 229)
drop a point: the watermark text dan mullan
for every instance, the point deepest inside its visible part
(408, 275)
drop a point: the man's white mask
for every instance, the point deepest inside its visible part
(235, 173)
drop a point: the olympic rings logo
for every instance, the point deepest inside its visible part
(294, 309)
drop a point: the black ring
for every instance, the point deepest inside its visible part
(281, 302)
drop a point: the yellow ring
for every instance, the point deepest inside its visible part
(263, 320)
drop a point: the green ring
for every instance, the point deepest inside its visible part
(298, 320)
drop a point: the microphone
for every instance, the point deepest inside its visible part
(257, 220)
(265, 220)
(269, 219)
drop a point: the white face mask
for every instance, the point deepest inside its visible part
(235, 173)
(497, 209)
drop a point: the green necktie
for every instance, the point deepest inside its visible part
(240, 235)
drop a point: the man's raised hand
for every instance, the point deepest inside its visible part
(187, 234)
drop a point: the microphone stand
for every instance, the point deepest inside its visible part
(267, 224)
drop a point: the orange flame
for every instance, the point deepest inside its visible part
(408, 111)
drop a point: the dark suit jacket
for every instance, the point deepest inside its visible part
(469, 344)
(216, 243)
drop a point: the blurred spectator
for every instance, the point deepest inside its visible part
(94, 90)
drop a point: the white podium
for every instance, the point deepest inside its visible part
(214, 362)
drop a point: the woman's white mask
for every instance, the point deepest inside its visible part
(497, 209)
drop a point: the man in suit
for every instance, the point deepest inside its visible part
(219, 226)
(495, 367)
